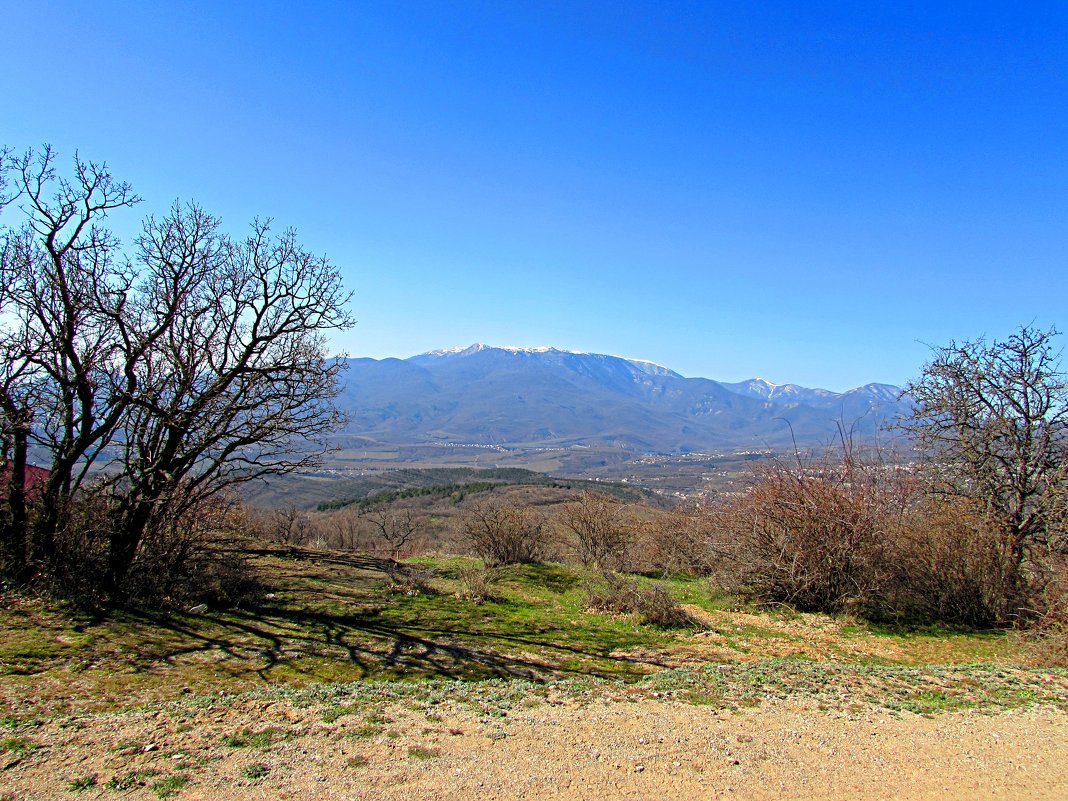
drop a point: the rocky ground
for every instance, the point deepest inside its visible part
(502, 742)
(341, 685)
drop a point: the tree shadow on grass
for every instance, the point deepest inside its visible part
(374, 648)
(354, 637)
(371, 647)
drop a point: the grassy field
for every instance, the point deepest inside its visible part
(331, 618)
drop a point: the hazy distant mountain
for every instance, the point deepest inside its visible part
(549, 397)
(781, 393)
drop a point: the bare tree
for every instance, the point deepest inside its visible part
(159, 376)
(603, 535)
(502, 534)
(63, 285)
(396, 527)
(994, 419)
(240, 386)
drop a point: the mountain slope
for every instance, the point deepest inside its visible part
(548, 397)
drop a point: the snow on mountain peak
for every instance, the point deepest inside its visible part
(478, 347)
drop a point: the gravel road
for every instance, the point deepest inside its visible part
(264, 748)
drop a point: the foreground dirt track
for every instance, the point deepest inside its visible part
(648, 749)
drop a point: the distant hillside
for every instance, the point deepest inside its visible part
(456, 481)
(543, 397)
(324, 491)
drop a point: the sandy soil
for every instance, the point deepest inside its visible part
(549, 749)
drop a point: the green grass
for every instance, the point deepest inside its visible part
(338, 711)
(366, 732)
(82, 783)
(246, 738)
(333, 621)
(169, 786)
(255, 771)
(131, 779)
(17, 745)
(422, 753)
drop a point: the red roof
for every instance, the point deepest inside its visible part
(35, 477)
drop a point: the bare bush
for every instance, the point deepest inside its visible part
(289, 526)
(679, 542)
(1047, 639)
(603, 535)
(653, 604)
(869, 538)
(344, 529)
(502, 535)
(408, 579)
(476, 584)
(395, 527)
(813, 536)
(992, 417)
(945, 564)
(183, 558)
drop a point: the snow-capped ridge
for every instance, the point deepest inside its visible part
(758, 388)
(478, 347)
(644, 365)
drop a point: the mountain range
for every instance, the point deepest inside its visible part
(544, 397)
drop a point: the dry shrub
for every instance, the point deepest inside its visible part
(1046, 642)
(503, 535)
(679, 542)
(185, 559)
(81, 551)
(946, 565)
(810, 536)
(411, 579)
(652, 603)
(870, 539)
(602, 532)
(476, 584)
(181, 559)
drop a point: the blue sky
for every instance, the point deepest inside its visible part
(808, 192)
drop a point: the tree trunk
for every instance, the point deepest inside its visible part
(126, 535)
(16, 492)
(16, 541)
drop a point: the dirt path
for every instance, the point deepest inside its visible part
(281, 748)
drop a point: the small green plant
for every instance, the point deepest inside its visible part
(165, 788)
(246, 738)
(257, 770)
(125, 745)
(419, 752)
(16, 745)
(332, 713)
(365, 732)
(82, 783)
(131, 779)
(358, 761)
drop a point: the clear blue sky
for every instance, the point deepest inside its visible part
(802, 191)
